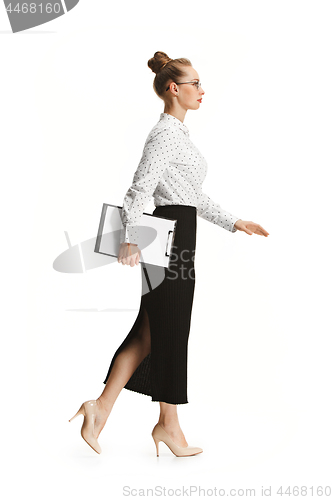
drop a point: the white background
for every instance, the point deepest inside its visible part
(77, 104)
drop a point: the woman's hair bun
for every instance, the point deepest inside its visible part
(159, 60)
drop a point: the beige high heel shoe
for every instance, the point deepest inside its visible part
(159, 434)
(88, 410)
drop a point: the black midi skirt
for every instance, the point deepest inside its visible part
(162, 374)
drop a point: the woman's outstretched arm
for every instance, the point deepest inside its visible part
(213, 212)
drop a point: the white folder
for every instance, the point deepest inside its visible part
(156, 235)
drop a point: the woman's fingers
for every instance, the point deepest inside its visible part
(134, 259)
(122, 257)
(122, 253)
(250, 227)
(129, 255)
(260, 230)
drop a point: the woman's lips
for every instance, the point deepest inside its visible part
(199, 100)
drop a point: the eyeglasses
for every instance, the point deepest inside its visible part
(197, 84)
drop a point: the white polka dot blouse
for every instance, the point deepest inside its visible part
(171, 170)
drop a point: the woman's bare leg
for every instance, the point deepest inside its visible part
(169, 421)
(124, 366)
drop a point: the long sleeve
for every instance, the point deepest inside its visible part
(155, 158)
(211, 211)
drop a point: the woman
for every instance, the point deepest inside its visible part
(152, 359)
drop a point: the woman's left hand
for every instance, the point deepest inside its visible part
(250, 227)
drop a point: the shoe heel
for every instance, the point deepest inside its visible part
(156, 441)
(81, 411)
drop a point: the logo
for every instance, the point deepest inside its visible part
(25, 15)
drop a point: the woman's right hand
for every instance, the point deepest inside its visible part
(129, 254)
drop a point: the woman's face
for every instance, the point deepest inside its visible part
(189, 97)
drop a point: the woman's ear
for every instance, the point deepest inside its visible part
(173, 88)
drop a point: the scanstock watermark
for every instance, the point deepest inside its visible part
(198, 491)
(25, 15)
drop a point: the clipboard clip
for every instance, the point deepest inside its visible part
(168, 245)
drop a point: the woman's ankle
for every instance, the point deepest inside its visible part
(104, 405)
(168, 421)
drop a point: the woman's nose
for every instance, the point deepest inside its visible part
(202, 91)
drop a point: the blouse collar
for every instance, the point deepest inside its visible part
(173, 119)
